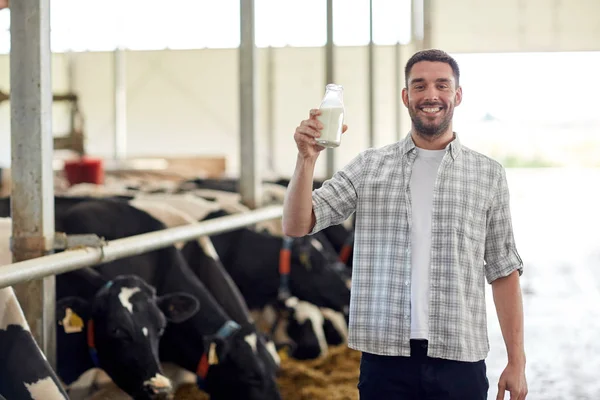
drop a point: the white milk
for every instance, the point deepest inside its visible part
(332, 119)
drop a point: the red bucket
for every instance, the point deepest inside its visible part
(84, 170)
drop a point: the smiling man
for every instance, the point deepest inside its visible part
(433, 223)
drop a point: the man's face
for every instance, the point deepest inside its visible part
(430, 96)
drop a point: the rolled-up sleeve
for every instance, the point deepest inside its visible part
(336, 200)
(501, 256)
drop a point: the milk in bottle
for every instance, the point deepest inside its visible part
(332, 116)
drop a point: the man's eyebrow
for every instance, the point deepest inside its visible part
(439, 80)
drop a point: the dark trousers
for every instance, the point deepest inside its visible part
(419, 377)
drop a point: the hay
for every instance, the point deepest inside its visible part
(189, 391)
(333, 377)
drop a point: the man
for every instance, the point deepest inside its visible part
(432, 224)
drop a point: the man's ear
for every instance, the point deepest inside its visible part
(178, 307)
(458, 98)
(405, 97)
(72, 314)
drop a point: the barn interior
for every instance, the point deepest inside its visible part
(197, 101)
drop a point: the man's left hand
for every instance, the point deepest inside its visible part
(513, 380)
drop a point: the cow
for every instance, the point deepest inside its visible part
(24, 371)
(33, 379)
(208, 269)
(114, 325)
(224, 354)
(252, 260)
(118, 329)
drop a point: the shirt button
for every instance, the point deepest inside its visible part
(406, 282)
(405, 316)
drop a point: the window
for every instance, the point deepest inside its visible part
(290, 23)
(86, 25)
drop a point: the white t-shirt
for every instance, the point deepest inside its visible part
(422, 180)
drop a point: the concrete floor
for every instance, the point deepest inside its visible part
(556, 215)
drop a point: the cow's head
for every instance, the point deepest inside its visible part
(240, 370)
(317, 276)
(122, 325)
(307, 330)
(228, 362)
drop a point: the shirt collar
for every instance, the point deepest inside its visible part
(454, 147)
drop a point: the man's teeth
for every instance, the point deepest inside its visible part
(431, 109)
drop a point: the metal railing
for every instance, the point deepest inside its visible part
(70, 260)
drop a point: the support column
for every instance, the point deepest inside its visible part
(270, 108)
(329, 78)
(250, 182)
(32, 197)
(120, 103)
(399, 74)
(371, 78)
(421, 24)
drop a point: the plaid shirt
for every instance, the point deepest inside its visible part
(472, 240)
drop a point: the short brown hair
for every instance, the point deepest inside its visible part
(433, 55)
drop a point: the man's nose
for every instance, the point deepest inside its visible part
(432, 94)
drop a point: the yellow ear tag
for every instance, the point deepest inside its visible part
(72, 323)
(305, 260)
(212, 354)
(283, 354)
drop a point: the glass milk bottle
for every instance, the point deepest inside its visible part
(332, 116)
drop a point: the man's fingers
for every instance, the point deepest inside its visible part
(306, 130)
(313, 123)
(314, 113)
(306, 138)
(501, 389)
(344, 128)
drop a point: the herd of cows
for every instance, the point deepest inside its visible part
(220, 307)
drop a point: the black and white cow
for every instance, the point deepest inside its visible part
(252, 260)
(24, 371)
(223, 353)
(117, 329)
(178, 210)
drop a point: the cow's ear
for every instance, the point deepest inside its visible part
(178, 307)
(72, 313)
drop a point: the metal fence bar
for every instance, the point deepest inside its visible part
(134, 245)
